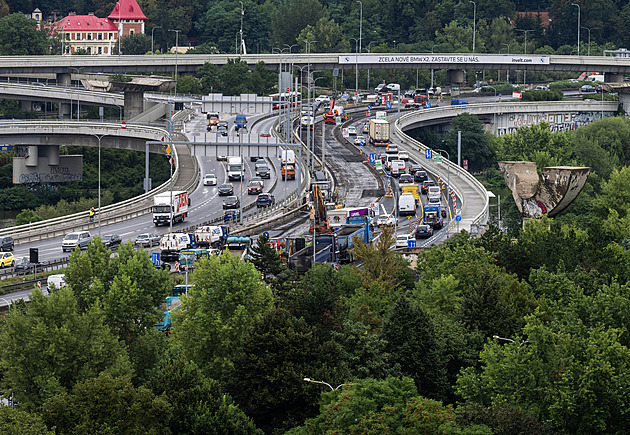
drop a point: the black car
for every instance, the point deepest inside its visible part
(263, 172)
(423, 231)
(426, 184)
(25, 266)
(405, 178)
(414, 168)
(420, 176)
(112, 240)
(231, 202)
(264, 200)
(226, 189)
(221, 158)
(6, 243)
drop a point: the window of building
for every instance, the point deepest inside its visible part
(131, 32)
(100, 50)
(78, 36)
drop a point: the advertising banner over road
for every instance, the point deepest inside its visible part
(455, 58)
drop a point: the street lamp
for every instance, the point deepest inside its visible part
(525, 32)
(589, 37)
(356, 67)
(578, 27)
(176, 53)
(448, 182)
(507, 71)
(325, 383)
(78, 70)
(368, 71)
(474, 22)
(241, 32)
(153, 30)
(99, 137)
(360, 25)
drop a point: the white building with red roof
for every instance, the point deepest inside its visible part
(98, 36)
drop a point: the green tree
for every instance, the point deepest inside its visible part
(108, 404)
(188, 85)
(51, 345)
(302, 13)
(234, 77)
(16, 421)
(199, 405)
(20, 36)
(208, 73)
(218, 313)
(138, 43)
(379, 261)
(266, 259)
(474, 141)
(330, 37)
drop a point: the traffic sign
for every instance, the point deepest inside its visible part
(411, 243)
(155, 257)
(428, 104)
(266, 234)
(369, 107)
(458, 218)
(428, 153)
(438, 159)
(378, 165)
(389, 104)
(388, 175)
(465, 164)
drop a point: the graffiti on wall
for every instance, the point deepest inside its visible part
(562, 121)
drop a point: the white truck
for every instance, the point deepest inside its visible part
(433, 195)
(406, 204)
(162, 207)
(211, 236)
(379, 132)
(306, 121)
(172, 243)
(288, 157)
(236, 168)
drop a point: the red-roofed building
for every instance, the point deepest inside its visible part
(98, 36)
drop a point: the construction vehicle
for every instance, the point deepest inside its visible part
(171, 244)
(358, 228)
(172, 303)
(188, 258)
(326, 250)
(318, 212)
(334, 112)
(238, 242)
(211, 236)
(289, 246)
(433, 215)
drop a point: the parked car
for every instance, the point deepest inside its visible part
(231, 215)
(6, 243)
(231, 202)
(147, 239)
(111, 240)
(210, 180)
(226, 189)
(386, 219)
(423, 231)
(264, 200)
(24, 266)
(7, 259)
(79, 238)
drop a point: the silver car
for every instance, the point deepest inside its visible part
(147, 239)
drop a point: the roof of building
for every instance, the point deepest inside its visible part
(85, 23)
(129, 10)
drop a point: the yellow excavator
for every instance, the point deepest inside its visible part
(318, 212)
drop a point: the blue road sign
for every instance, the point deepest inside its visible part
(266, 234)
(389, 104)
(428, 153)
(388, 175)
(369, 107)
(362, 143)
(372, 157)
(155, 257)
(411, 243)
(458, 218)
(428, 104)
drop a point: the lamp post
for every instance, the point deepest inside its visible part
(507, 71)
(525, 32)
(323, 136)
(120, 29)
(176, 52)
(78, 70)
(153, 30)
(368, 71)
(356, 67)
(578, 27)
(474, 23)
(313, 381)
(360, 24)
(241, 32)
(99, 137)
(308, 99)
(448, 193)
(589, 37)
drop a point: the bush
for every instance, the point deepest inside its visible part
(542, 95)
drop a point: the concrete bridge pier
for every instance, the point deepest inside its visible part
(134, 103)
(64, 79)
(456, 78)
(613, 78)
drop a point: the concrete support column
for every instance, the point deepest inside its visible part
(613, 78)
(33, 155)
(134, 103)
(624, 100)
(64, 110)
(456, 78)
(52, 152)
(27, 105)
(64, 79)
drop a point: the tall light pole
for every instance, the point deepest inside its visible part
(360, 24)
(356, 67)
(241, 32)
(474, 23)
(525, 32)
(176, 53)
(507, 75)
(311, 122)
(78, 70)
(589, 37)
(578, 26)
(120, 29)
(313, 381)
(153, 30)
(368, 71)
(448, 182)
(99, 137)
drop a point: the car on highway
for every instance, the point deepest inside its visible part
(6, 243)
(265, 134)
(210, 180)
(366, 128)
(352, 131)
(254, 188)
(263, 171)
(254, 158)
(386, 219)
(360, 140)
(391, 149)
(420, 176)
(423, 231)
(226, 189)
(405, 178)
(111, 240)
(402, 240)
(7, 259)
(223, 127)
(147, 239)
(382, 157)
(257, 180)
(231, 215)
(414, 168)
(78, 238)
(265, 200)
(221, 158)
(24, 266)
(403, 155)
(425, 186)
(588, 89)
(231, 202)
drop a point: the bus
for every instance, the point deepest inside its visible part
(282, 100)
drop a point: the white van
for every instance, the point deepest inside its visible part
(406, 204)
(433, 194)
(397, 168)
(402, 240)
(57, 281)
